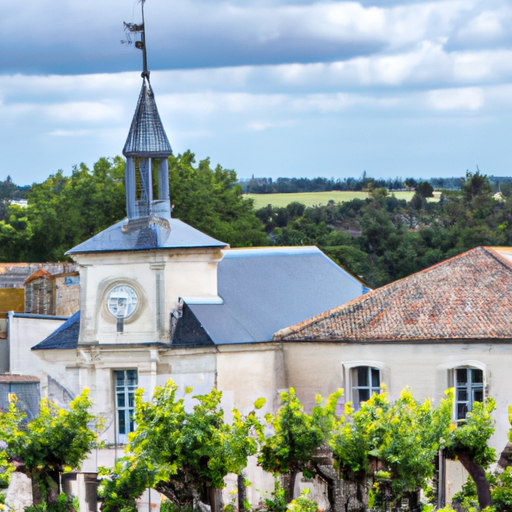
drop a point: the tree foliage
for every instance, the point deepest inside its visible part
(297, 435)
(383, 238)
(182, 454)
(396, 439)
(211, 201)
(64, 211)
(55, 440)
(469, 444)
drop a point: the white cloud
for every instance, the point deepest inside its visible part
(485, 26)
(471, 98)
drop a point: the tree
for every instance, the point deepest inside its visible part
(425, 189)
(396, 441)
(211, 201)
(410, 183)
(469, 444)
(67, 210)
(296, 436)
(54, 441)
(8, 191)
(181, 454)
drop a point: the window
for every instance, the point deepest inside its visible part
(469, 388)
(366, 381)
(126, 384)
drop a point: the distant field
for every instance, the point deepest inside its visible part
(315, 198)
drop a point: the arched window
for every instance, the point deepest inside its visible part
(469, 388)
(365, 382)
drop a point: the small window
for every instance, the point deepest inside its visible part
(126, 384)
(366, 382)
(469, 388)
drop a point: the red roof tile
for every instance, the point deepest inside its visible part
(38, 273)
(466, 297)
(18, 378)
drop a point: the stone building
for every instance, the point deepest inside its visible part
(160, 300)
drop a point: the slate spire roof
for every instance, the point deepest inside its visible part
(147, 137)
(466, 297)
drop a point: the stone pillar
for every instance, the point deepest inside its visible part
(19, 493)
(163, 179)
(129, 183)
(159, 298)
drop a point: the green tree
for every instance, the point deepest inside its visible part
(211, 201)
(56, 440)
(410, 183)
(181, 454)
(297, 435)
(8, 192)
(403, 436)
(64, 211)
(425, 189)
(469, 444)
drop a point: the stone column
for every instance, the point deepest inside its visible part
(159, 298)
(129, 183)
(163, 179)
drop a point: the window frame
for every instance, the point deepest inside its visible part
(369, 387)
(471, 386)
(124, 394)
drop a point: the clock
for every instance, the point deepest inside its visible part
(122, 301)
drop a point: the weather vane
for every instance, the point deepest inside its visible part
(136, 34)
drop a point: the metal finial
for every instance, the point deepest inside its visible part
(130, 28)
(145, 72)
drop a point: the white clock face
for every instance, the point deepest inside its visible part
(122, 301)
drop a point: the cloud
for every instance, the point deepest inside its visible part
(189, 34)
(259, 84)
(456, 99)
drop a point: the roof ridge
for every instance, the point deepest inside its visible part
(497, 256)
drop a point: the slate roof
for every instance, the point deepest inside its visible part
(266, 289)
(262, 291)
(466, 297)
(147, 137)
(113, 239)
(64, 338)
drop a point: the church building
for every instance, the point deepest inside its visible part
(160, 299)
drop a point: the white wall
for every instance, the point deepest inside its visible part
(159, 279)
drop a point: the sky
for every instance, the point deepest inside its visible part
(266, 87)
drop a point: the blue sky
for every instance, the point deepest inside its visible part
(265, 87)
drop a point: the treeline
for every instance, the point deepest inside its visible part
(380, 239)
(295, 185)
(292, 185)
(385, 450)
(63, 211)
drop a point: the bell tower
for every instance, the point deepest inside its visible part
(146, 151)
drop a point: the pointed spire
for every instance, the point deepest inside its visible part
(146, 150)
(147, 137)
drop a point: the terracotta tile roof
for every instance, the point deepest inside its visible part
(18, 378)
(39, 273)
(466, 297)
